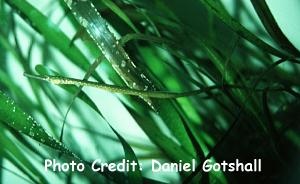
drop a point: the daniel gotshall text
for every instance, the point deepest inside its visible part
(156, 166)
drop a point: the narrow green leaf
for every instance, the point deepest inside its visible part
(15, 155)
(134, 177)
(137, 36)
(118, 11)
(216, 8)
(173, 151)
(21, 166)
(4, 169)
(16, 118)
(50, 32)
(272, 27)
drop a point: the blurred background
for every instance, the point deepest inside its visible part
(182, 46)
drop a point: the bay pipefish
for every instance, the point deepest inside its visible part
(58, 80)
(118, 89)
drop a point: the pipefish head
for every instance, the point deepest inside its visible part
(38, 77)
(52, 79)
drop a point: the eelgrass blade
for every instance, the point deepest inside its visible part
(272, 27)
(50, 32)
(118, 11)
(14, 117)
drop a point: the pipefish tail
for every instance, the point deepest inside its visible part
(97, 28)
(118, 89)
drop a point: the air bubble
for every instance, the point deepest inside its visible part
(115, 66)
(83, 22)
(133, 64)
(31, 133)
(126, 55)
(123, 63)
(69, 2)
(143, 23)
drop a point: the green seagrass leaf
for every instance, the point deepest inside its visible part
(20, 121)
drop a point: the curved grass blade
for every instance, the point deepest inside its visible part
(118, 11)
(17, 157)
(216, 8)
(14, 117)
(272, 27)
(134, 176)
(137, 36)
(14, 173)
(147, 18)
(172, 150)
(21, 163)
(86, 77)
(97, 27)
(50, 32)
(270, 120)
